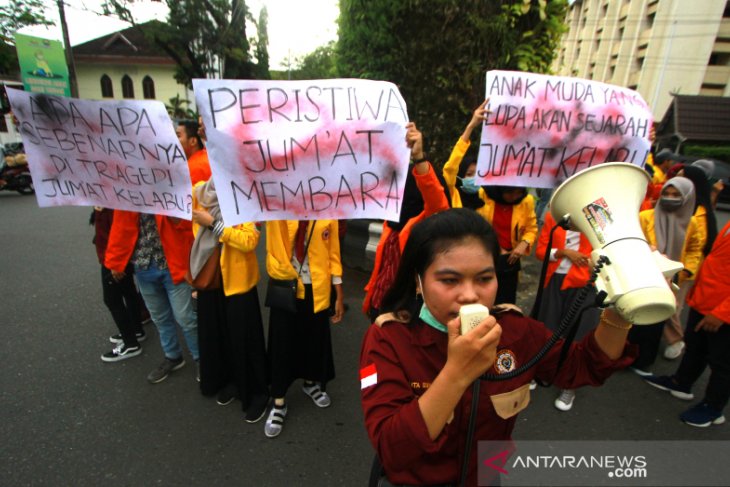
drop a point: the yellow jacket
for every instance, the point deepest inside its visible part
(658, 176)
(692, 251)
(524, 219)
(323, 254)
(451, 170)
(239, 266)
(701, 217)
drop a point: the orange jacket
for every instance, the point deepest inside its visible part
(176, 236)
(434, 200)
(577, 276)
(199, 167)
(711, 292)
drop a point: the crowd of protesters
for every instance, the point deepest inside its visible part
(455, 243)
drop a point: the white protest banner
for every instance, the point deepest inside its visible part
(301, 150)
(543, 129)
(120, 154)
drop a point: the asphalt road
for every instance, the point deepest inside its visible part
(70, 419)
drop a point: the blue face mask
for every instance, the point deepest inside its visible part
(426, 315)
(468, 186)
(430, 319)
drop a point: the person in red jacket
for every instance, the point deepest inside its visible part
(423, 195)
(707, 340)
(417, 370)
(158, 248)
(568, 271)
(120, 296)
(191, 136)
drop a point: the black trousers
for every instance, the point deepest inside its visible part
(299, 346)
(702, 349)
(231, 344)
(508, 277)
(647, 337)
(123, 302)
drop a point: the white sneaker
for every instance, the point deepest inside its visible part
(640, 372)
(565, 400)
(674, 350)
(320, 398)
(275, 421)
(533, 385)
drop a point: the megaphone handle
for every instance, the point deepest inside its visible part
(565, 222)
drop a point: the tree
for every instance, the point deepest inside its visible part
(14, 16)
(261, 46)
(179, 109)
(204, 37)
(438, 51)
(18, 14)
(319, 64)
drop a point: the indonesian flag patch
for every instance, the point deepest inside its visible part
(368, 376)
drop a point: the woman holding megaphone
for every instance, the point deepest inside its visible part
(421, 378)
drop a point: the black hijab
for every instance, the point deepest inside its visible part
(497, 194)
(702, 197)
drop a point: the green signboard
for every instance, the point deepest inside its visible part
(42, 65)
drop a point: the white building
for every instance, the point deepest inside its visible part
(126, 64)
(657, 47)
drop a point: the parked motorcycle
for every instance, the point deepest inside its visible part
(14, 172)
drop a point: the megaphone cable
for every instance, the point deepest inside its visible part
(565, 325)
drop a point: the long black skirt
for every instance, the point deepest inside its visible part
(556, 302)
(231, 342)
(300, 346)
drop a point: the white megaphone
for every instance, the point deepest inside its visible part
(602, 202)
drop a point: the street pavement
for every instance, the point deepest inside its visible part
(70, 419)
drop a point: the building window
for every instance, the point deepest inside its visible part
(650, 20)
(719, 59)
(148, 88)
(127, 87)
(107, 90)
(638, 64)
(708, 89)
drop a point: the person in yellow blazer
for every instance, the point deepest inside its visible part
(672, 229)
(230, 329)
(459, 173)
(510, 210)
(300, 344)
(706, 232)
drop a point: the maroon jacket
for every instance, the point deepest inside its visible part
(102, 226)
(408, 357)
